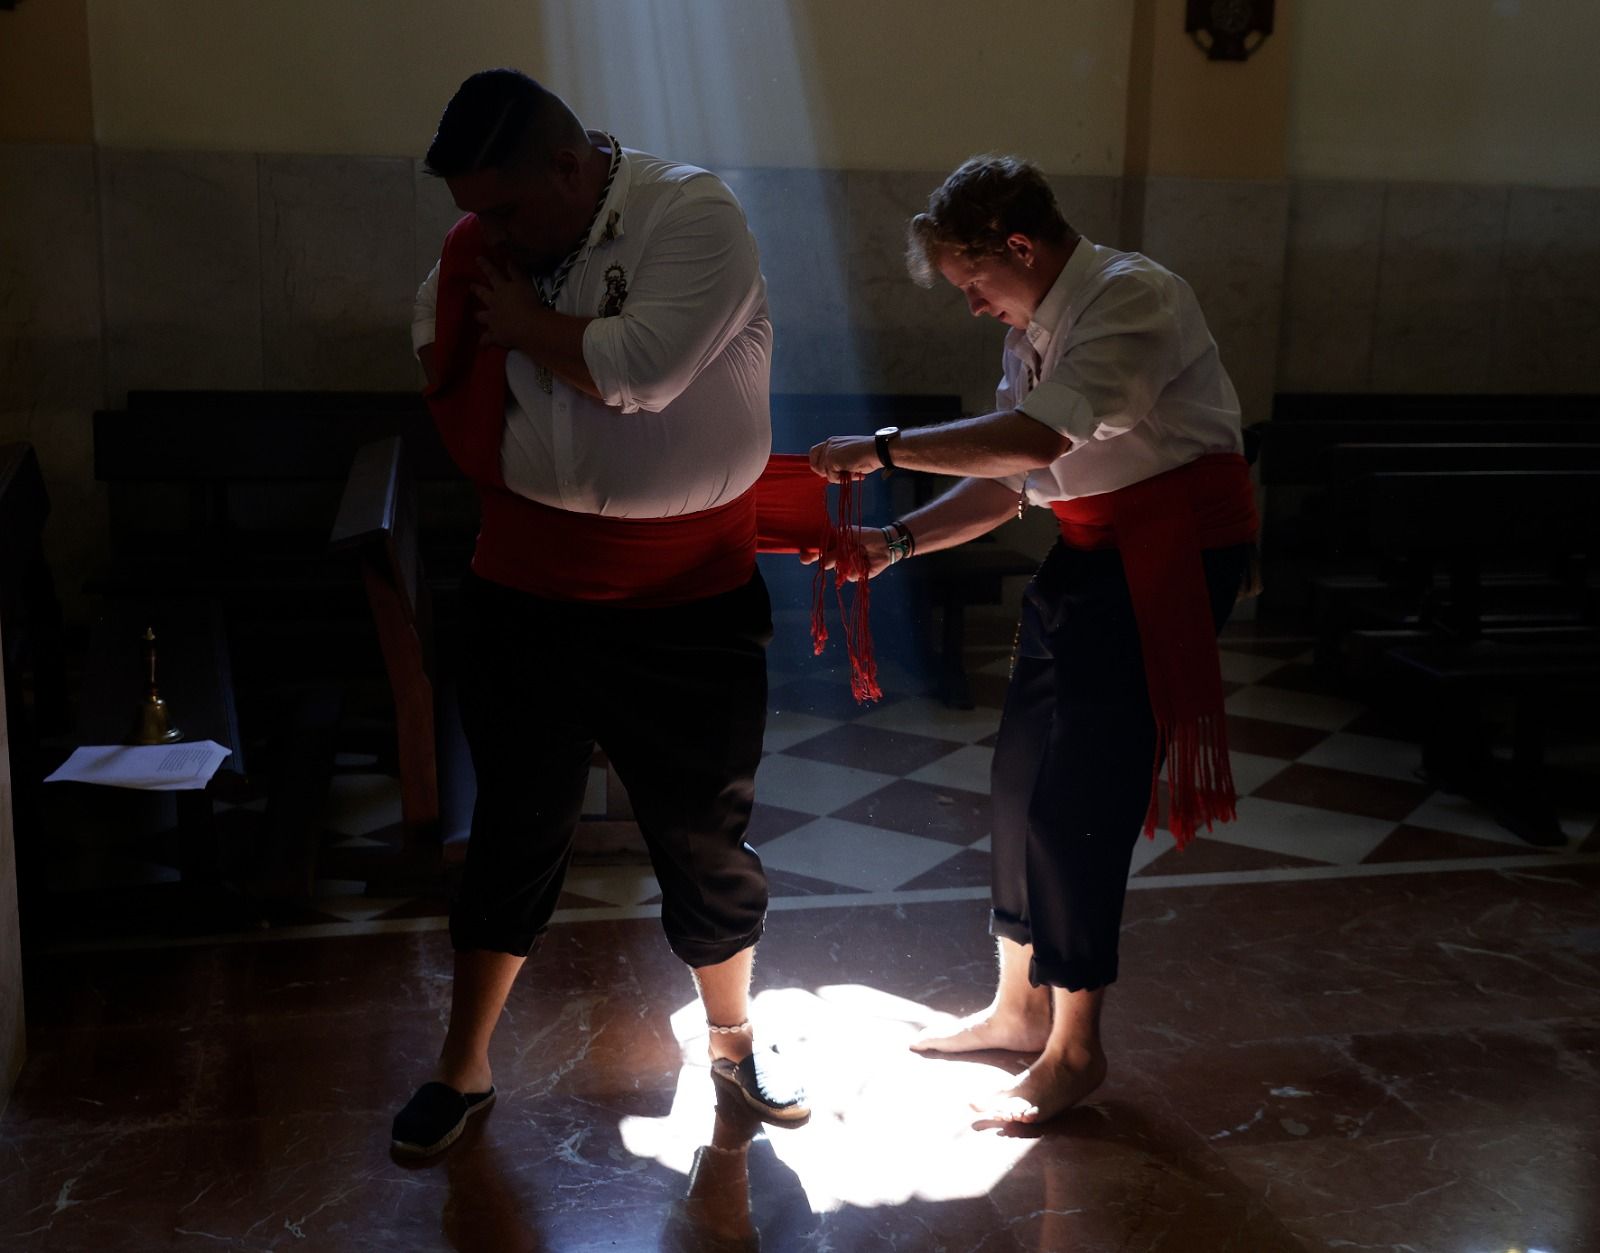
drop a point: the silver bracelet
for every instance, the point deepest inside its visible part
(733, 1030)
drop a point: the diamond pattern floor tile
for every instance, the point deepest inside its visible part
(862, 857)
(1302, 831)
(966, 769)
(1367, 754)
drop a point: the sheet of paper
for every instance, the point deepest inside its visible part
(154, 767)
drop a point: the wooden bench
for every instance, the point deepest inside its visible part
(1459, 662)
(1320, 564)
(377, 525)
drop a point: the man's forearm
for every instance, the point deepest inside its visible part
(988, 447)
(971, 508)
(555, 341)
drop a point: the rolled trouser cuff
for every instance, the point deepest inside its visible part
(472, 930)
(698, 953)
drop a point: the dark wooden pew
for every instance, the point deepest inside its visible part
(377, 524)
(1461, 664)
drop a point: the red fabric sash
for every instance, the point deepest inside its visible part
(1160, 526)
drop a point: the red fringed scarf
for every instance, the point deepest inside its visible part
(1159, 526)
(849, 559)
(636, 562)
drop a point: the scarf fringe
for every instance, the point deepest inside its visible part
(850, 558)
(1200, 786)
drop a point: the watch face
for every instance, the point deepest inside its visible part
(886, 432)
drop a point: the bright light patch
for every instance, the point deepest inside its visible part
(867, 1090)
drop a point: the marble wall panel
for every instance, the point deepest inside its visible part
(50, 325)
(1227, 239)
(879, 204)
(1549, 326)
(338, 249)
(181, 243)
(1093, 206)
(798, 219)
(1330, 285)
(436, 214)
(1438, 287)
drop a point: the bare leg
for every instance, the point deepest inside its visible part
(1017, 1019)
(482, 982)
(725, 994)
(1072, 1065)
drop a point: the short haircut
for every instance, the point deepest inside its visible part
(496, 118)
(979, 207)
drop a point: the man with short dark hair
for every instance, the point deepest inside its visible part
(597, 344)
(1114, 412)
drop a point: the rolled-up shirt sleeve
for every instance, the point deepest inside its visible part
(1107, 381)
(423, 311)
(690, 296)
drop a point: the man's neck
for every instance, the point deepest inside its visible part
(1053, 259)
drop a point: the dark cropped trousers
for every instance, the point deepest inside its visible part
(1071, 775)
(677, 699)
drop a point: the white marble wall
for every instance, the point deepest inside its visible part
(1227, 239)
(1434, 287)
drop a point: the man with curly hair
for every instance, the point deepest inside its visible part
(1114, 412)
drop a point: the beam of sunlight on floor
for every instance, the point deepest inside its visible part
(867, 1089)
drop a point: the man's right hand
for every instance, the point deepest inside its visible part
(874, 550)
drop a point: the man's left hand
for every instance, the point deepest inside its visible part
(511, 307)
(845, 457)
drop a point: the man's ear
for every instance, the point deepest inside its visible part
(568, 165)
(1021, 247)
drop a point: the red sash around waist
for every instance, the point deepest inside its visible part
(1160, 526)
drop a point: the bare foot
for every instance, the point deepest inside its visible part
(1048, 1087)
(992, 1028)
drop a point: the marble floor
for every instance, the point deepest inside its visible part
(1361, 1018)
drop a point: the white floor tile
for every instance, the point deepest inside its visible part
(618, 885)
(1247, 667)
(1146, 851)
(1367, 754)
(813, 787)
(1251, 771)
(358, 908)
(594, 792)
(1000, 665)
(934, 718)
(1460, 816)
(358, 803)
(855, 855)
(1302, 831)
(1301, 709)
(785, 727)
(966, 768)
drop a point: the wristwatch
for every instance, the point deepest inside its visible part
(881, 438)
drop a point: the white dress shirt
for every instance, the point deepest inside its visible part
(684, 367)
(1118, 359)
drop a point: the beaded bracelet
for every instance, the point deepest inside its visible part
(902, 544)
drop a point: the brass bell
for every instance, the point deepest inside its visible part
(154, 724)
